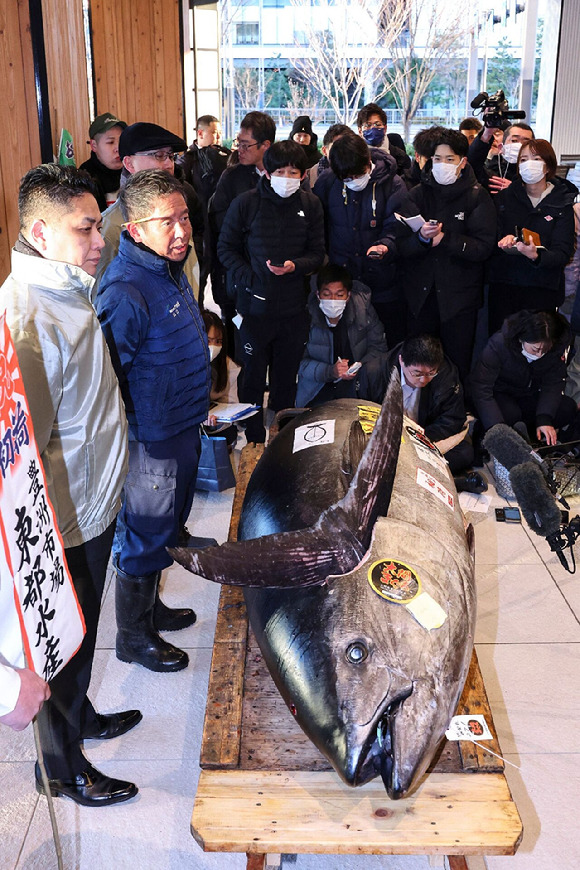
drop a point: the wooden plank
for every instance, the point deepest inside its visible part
(298, 812)
(474, 700)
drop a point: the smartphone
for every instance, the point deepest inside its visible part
(508, 515)
(375, 255)
(565, 517)
(277, 265)
(433, 222)
(353, 369)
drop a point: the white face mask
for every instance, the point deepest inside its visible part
(284, 187)
(532, 171)
(332, 307)
(531, 357)
(510, 152)
(214, 350)
(445, 173)
(359, 183)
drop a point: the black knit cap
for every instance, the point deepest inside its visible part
(147, 137)
(302, 124)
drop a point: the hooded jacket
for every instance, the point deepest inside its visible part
(366, 336)
(157, 341)
(73, 394)
(502, 368)
(260, 226)
(303, 124)
(553, 220)
(357, 220)
(455, 267)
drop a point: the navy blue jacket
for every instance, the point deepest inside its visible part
(157, 342)
(355, 221)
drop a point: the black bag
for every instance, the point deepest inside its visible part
(214, 471)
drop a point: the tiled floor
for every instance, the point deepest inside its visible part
(528, 642)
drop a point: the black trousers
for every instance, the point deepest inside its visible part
(457, 334)
(277, 345)
(68, 713)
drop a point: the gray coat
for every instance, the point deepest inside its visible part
(72, 391)
(367, 340)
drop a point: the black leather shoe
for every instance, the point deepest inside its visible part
(171, 618)
(91, 788)
(113, 724)
(473, 481)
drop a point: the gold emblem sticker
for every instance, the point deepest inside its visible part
(368, 416)
(394, 580)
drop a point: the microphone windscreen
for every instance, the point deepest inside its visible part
(535, 499)
(506, 446)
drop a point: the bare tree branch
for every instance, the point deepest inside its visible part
(344, 54)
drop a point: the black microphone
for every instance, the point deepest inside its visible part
(510, 449)
(541, 512)
(535, 499)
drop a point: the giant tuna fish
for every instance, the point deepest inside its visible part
(360, 585)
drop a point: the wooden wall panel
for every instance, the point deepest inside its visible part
(19, 137)
(137, 60)
(66, 66)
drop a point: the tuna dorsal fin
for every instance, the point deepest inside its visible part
(336, 544)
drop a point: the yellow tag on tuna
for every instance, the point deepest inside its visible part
(368, 416)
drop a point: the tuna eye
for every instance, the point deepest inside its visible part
(356, 653)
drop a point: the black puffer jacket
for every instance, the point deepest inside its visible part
(455, 266)
(357, 220)
(259, 226)
(553, 220)
(441, 406)
(502, 368)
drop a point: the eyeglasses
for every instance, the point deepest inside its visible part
(378, 125)
(243, 146)
(159, 156)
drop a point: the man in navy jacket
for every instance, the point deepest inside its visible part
(159, 350)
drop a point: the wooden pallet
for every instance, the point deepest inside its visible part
(265, 789)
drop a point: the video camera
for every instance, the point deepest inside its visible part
(500, 107)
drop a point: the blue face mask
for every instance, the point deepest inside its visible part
(374, 137)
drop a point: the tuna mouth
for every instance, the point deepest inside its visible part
(383, 749)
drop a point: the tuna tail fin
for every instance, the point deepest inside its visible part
(336, 544)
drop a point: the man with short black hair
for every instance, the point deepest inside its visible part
(160, 353)
(344, 330)
(203, 164)
(105, 164)
(257, 133)
(372, 126)
(433, 398)
(441, 265)
(498, 172)
(81, 433)
(470, 127)
(271, 239)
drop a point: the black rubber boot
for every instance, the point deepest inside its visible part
(137, 639)
(171, 618)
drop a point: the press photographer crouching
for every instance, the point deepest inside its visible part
(433, 398)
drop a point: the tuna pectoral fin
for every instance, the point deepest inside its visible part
(336, 544)
(303, 558)
(369, 494)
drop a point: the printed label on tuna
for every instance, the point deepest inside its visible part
(394, 580)
(313, 435)
(426, 611)
(432, 459)
(419, 437)
(428, 482)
